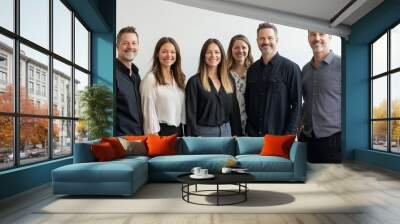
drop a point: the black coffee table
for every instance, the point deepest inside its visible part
(238, 179)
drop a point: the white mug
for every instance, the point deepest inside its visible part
(226, 170)
(203, 172)
(196, 170)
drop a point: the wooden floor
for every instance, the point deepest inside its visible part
(377, 188)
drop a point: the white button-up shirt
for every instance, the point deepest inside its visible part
(161, 104)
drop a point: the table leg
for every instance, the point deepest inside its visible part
(188, 192)
(217, 194)
(245, 191)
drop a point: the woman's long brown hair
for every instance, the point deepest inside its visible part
(176, 68)
(222, 71)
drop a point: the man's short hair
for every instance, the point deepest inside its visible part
(310, 31)
(128, 29)
(267, 26)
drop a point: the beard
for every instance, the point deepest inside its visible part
(267, 49)
(129, 55)
(317, 48)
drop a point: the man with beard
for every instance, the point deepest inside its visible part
(129, 118)
(273, 89)
(322, 101)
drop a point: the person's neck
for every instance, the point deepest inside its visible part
(239, 68)
(267, 58)
(128, 64)
(212, 73)
(319, 57)
(166, 72)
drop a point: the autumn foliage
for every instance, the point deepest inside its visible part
(33, 130)
(380, 127)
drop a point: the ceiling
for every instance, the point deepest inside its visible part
(330, 16)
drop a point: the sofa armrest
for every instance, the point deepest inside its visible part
(83, 152)
(298, 155)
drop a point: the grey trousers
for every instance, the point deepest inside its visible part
(209, 131)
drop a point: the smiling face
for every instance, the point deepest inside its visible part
(213, 56)
(240, 51)
(319, 42)
(267, 41)
(128, 47)
(167, 55)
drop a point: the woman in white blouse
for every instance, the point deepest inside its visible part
(239, 59)
(162, 91)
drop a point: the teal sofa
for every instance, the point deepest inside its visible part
(125, 176)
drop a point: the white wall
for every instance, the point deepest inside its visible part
(191, 27)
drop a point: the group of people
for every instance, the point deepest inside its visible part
(232, 95)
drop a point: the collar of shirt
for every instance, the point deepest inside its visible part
(327, 60)
(214, 89)
(273, 60)
(237, 76)
(123, 68)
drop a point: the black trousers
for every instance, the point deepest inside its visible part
(323, 150)
(166, 130)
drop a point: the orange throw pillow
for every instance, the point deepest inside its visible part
(277, 145)
(135, 137)
(116, 145)
(161, 145)
(103, 151)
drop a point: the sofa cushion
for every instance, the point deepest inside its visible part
(118, 177)
(249, 145)
(206, 145)
(83, 152)
(111, 171)
(132, 157)
(134, 147)
(117, 146)
(103, 152)
(185, 163)
(136, 137)
(277, 145)
(257, 163)
(161, 145)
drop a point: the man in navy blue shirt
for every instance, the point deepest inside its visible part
(273, 89)
(129, 118)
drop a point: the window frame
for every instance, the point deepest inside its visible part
(51, 118)
(388, 74)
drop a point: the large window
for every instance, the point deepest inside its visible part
(44, 64)
(385, 91)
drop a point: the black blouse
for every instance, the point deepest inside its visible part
(210, 108)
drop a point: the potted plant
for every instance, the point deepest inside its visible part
(96, 104)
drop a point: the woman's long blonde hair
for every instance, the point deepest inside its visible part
(230, 60)
(222, 70)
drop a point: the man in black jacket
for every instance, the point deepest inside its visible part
(273, 89)
(129, 118)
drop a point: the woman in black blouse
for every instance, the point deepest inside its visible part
(211, 105)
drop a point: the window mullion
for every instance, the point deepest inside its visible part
(371, 89)
(50, 81)
(16, 83)
(389, 106)
(73, 82)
